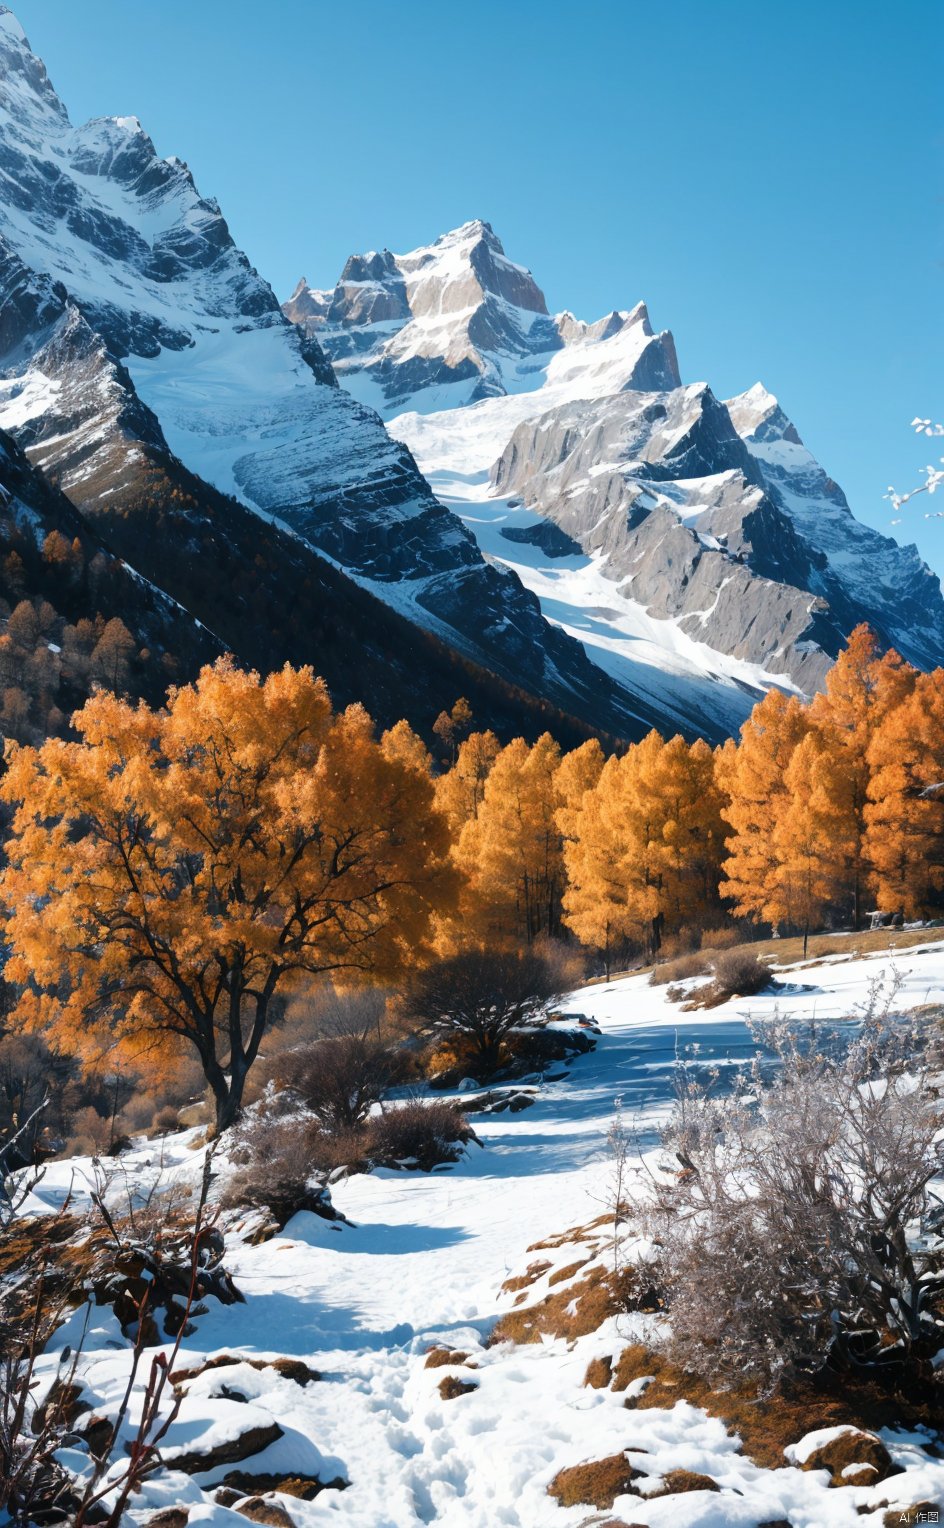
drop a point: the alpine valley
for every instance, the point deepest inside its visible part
(421, 482)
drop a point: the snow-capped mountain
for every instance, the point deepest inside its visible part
(146, 366)
(695, 547)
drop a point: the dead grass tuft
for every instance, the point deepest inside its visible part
(593, 1485)
(576, 1310)
(677, 1481)
(450, 1387)
(766, 1426)
(438, 1358)
(599, 1373)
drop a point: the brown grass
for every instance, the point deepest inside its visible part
(533, 1272)
(563, 1274)
(599, 1373)
(677, 1481)
(450, 1388)
(438, 1358)
(596, 1297)
(787, 951)
(593, 1485)
(767, 1426)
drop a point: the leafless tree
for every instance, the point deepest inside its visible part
(483, 994)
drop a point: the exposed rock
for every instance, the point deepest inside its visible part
(169, 1517)
(920, 1513)
(302, 1487)
(231, 1438)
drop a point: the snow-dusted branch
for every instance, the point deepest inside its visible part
(933, 476)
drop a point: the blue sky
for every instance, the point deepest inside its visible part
(768, 178)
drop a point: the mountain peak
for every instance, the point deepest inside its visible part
(757, 415)
(19, 68)
(10, 26)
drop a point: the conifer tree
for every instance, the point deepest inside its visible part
(905, 812)
(861, 688)
(578, 773)
(460, 791)
(804, 885)
(510, 852)
(754, 779)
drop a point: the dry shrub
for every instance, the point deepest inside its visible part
(721, 938)
(274, 1166)
(679, 969)
(425, 1132)
(338, 1079)
(482, 994)
(788, 1246)
(740, 973)
(735, 973)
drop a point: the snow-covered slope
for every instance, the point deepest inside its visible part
(422, 1264)
(137, 340)
(718, 557)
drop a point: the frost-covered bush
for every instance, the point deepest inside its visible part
(739, 973)
(425, 1132)
(275, 1165)
(802, 1232)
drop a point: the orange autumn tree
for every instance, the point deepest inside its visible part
(862, 687)
(754, 779)
(905, 814)
(644, 856)
(174, 870)
(510, 852)
(460, 791)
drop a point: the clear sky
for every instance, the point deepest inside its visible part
(767, 177)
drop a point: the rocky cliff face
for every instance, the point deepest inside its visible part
(718, 557)
(455, 320)
(149, 371)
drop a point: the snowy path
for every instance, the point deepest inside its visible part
(423, 1264)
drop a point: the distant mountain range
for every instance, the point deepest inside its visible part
(548, 521)
(694, 546)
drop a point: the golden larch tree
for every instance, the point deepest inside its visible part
(461, 790)
(510, 853)
(862, 687)
(905, 813)
(804, 884)
(578, 773)
(754, 780)
(172, 871)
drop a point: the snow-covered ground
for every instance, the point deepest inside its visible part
(423, 1263)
